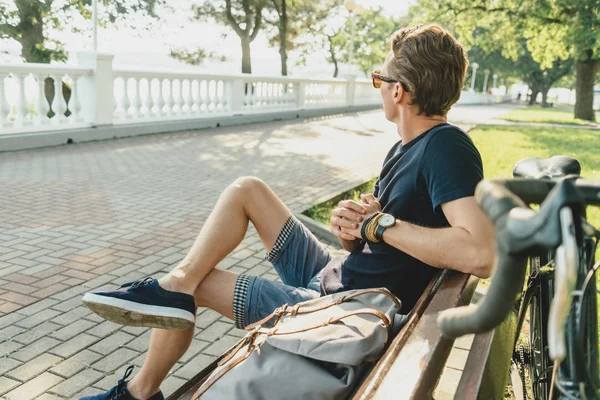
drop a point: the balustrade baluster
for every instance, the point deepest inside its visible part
(4, 106)
(160, 102)
(59, 106)
(137, 98)
(42, 107)
(74, 103)
(195, 94)
(220, 96)
(125, 102)
(170, 99)
(22, 105)
(178, 96)
(148, 100)
(187, 96)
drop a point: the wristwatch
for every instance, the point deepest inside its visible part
(386, 221)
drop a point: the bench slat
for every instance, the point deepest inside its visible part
(412, 371)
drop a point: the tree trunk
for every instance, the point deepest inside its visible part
(534, 94)
(545, 96)
(246, 61)
(584, 86)
(333, 57)
(283, 23)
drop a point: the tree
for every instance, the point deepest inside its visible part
(372, 39)
(243, 16)
(28, 22)
(287, 22)
(281, 25)
(552, 30)
(370, 43)
(540, 80)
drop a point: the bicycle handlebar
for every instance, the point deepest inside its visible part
(519, 232)
(507, 280)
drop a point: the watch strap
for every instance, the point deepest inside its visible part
(379, 232)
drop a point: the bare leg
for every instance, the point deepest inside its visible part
(247, 199)
(168, 346)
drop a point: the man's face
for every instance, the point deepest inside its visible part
(387, 92)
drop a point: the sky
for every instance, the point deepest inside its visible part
(151, 48)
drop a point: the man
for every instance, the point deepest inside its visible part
(422, 216)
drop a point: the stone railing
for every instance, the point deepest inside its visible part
(27, 94)
(45, 98)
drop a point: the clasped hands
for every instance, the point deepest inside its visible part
(347, 219)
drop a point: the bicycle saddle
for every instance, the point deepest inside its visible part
(553, 167)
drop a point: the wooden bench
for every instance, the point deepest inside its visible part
(419, 363)
(418, 356)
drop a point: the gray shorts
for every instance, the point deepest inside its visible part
(298, 258)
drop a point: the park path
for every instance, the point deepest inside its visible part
(95, 215)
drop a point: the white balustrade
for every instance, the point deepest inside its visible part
(325, 94)
(168, 96)
(24, 105)
(263, 95)
(365, 93)
(95, 93)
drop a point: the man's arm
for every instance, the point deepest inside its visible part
(467, 246)
(350, 245)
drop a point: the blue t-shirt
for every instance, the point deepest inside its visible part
(440, 165)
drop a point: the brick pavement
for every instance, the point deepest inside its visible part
(96, 215)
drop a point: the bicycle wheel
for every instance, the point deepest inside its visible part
(539, 361)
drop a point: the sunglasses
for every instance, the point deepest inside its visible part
(378, 79)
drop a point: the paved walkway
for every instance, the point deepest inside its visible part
(96, 215)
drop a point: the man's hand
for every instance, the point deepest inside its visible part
(347, 219)
(348, 214)
(371, 201)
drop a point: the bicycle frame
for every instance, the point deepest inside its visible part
(540, 283)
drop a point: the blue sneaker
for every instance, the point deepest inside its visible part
(144, 303)
(120, 391)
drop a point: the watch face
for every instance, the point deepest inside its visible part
(387, 220)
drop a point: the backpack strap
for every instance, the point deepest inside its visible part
(363, 311)
(285, 309)
(206, 385)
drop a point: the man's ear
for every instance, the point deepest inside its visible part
(399, 93)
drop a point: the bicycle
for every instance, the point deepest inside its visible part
(560, 291)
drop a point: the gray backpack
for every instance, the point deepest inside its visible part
(318, 349)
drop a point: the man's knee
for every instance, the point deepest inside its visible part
(248, 185)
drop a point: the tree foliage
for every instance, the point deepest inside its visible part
(370, 42)
(287, 20)
(194, 57)
(552, 31)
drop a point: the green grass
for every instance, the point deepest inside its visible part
(322, 212)
(547, 115)
(502, 146)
